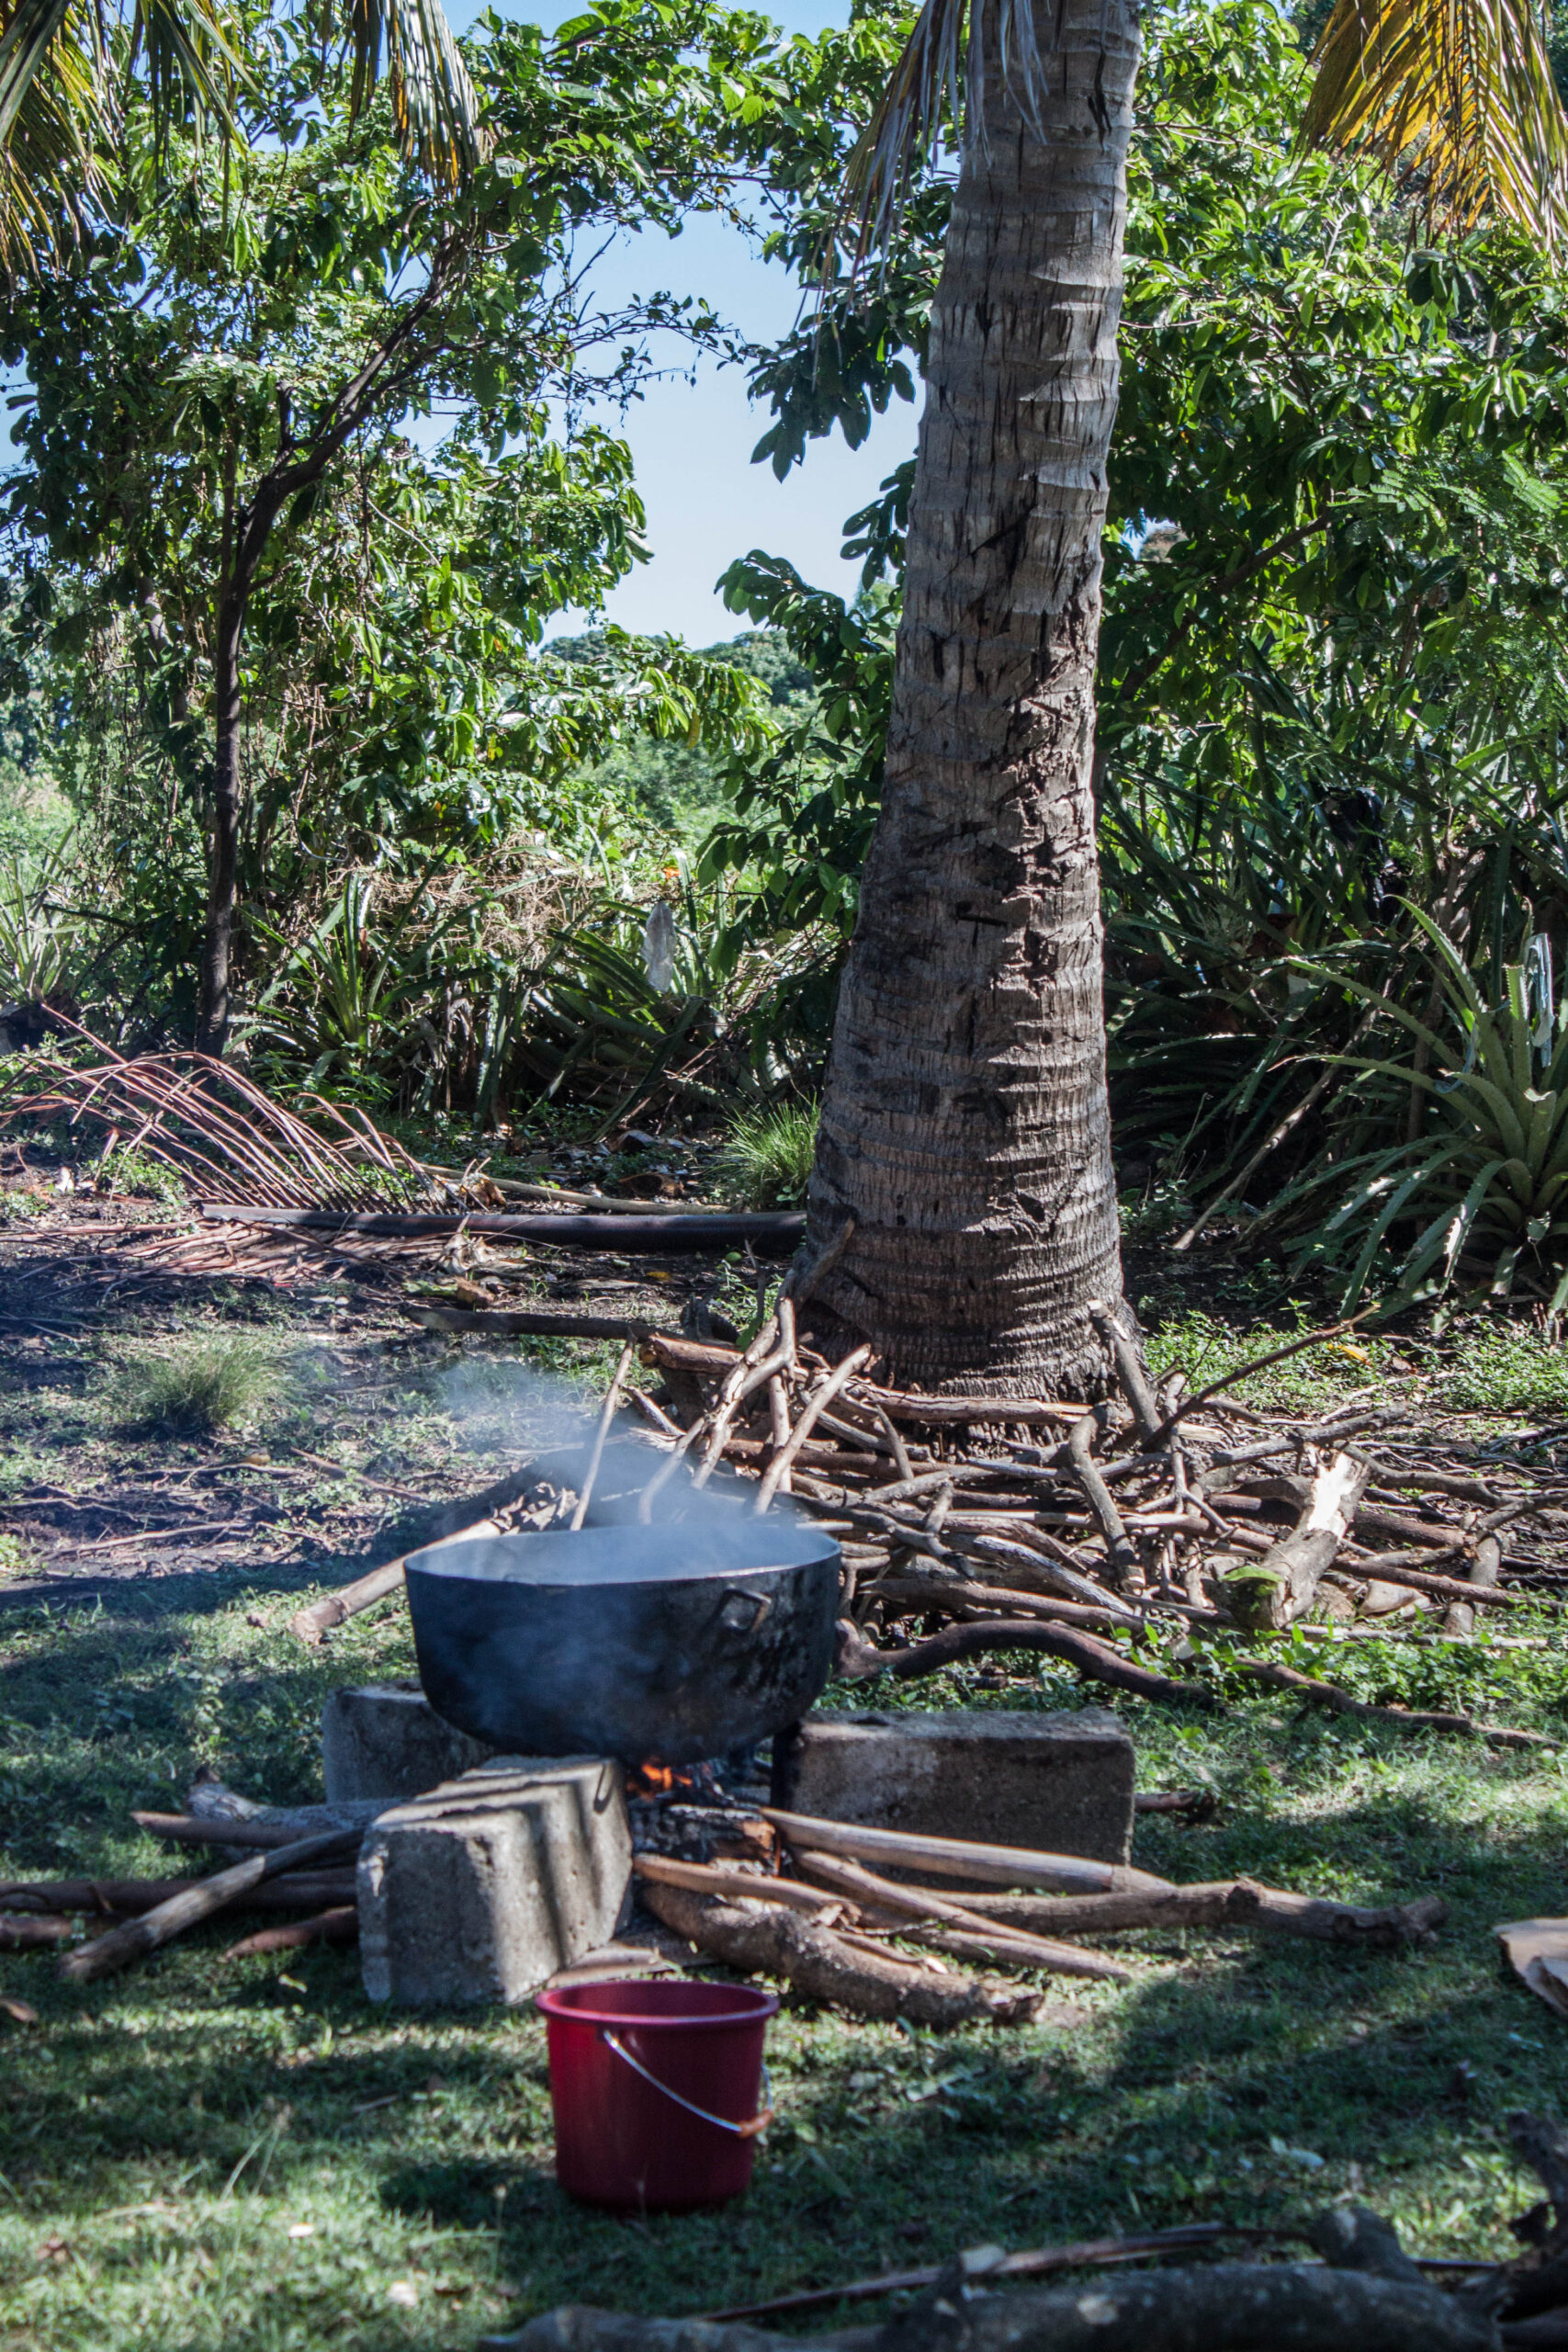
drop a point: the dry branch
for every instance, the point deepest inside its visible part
(1231, 2307)
(1485, 1569)
(109, 1952)
(338, 1926)
(128, 1898)
(769, 1941)
(858, 1660)
(960, 1858)
(1283, 1584)
(32, 1930)
(919, 1906)
(1226, 1902)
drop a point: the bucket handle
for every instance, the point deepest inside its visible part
(748, 2131)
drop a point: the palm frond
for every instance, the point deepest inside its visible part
(56, 122)
(1457, 93)
(938, 90)
(434, 103)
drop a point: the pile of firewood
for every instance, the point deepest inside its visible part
(979, 1524)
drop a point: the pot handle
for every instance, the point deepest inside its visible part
(747, 2131)
(742, 1613)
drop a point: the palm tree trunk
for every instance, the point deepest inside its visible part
(965, 1126)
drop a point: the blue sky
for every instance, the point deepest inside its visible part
(693, 442)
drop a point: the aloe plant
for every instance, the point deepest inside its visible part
(1487, 1182)
(38, 937)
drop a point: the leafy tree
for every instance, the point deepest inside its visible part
(216, 441)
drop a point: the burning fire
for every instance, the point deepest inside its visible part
(650, 1782)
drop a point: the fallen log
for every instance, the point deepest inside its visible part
(527, 1323)
(858, 1659)
(1340, 1702)
(960, 1858)
(338, 1926)
(108, 1954)
(1230, 2307)
(1032, 2262)
(770, 1940)
(1224, 1903)
(772, 1234)
(920, 1909)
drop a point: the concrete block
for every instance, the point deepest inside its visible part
(484, 1887)
(1061, 1783)
(386, 1741)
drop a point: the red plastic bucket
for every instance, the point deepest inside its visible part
(654, 2088)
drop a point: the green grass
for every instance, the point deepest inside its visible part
(163, 2136)
(192, 1386)
(766, 1157)
(1507, 1367)
(170, 2129)
(1206, 1350)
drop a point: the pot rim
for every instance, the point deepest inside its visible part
(559, 1559)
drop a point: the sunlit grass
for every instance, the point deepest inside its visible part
(189, 1388)
(767, 1155)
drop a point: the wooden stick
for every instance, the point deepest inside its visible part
(824, 1394)
(962, 1857)
(29, 1930)
(712, 1878)
(339, 1926)
(1390, 1567)
(916, 1905)
(596, 1452)
(1121, 1552)
(1228, 1903)
(111, 1898)
(261, 1835)
(114, 1950)
(953, 1593)
(527, 1323)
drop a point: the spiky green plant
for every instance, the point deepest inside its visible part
(195, 1386)
(767, 1157)
(1485, 1185)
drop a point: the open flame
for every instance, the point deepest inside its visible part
(651, 1783)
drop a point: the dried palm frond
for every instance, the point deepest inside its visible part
(938, 90)
(434, 102)
(218, 1130)
(1460, 93)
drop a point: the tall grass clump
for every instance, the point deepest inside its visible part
(767, 1156)
(193, 1388)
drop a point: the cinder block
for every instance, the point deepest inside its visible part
(484, 1887)
(386, 1741)
(1061, 1783)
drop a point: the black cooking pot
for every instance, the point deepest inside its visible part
(676, 1643)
